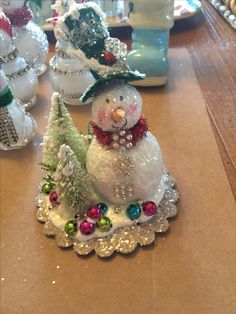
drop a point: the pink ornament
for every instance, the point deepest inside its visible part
(94, 212)
(149, 208)
(54, 198)
(87, 227)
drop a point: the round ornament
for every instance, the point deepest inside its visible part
(103, 207)
(54, 198)
(149, 208)
(87, 227)
(94, 212)
(71, 228)
(104, 224)
(133, 211)
(47, 187)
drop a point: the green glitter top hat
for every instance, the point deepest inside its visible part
(87, 29)
(111, 78)
(6, 96)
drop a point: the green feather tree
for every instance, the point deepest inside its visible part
(72, 181)
(61, 130)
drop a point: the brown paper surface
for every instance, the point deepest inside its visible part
(190, 269)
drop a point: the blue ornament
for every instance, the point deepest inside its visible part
(103, 207)
(133, 211)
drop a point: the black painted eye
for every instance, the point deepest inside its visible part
(121, 98)
(107, 100)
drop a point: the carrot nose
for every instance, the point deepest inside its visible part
(118, 114)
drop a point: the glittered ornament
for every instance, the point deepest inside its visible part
(94, 212)
(103, 207)
(149, 208)
(87, 227)
(133, 211)
(71, 228)
(104, 224)
(47, 187)
(54, 198)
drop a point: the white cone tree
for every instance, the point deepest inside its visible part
(61, 130)
(72, 181)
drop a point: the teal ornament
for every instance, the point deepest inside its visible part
(133, 211)
(71, 228)
(104, 224)
(47, 187)
(103, 207)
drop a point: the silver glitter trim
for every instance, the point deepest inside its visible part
(125, 239)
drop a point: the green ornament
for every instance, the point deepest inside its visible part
(71, 228)
(47, 187)
(133, 211)
(104, 224)
(103, 207)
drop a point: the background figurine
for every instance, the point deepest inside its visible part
(28, 37)
(17, 127)
(151, 21)
(21, 77)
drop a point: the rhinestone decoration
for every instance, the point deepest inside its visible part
(124, 239)
(123, 139)
(19, 73)
(116, 47)
(58, 71)
(123, 190)
(123, 165)
(8, 133)
(9, 57)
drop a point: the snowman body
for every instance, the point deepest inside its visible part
(17, 126)
(123, 173)
(69, 77)
(21, 78)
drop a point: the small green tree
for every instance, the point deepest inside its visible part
(61, 130)
(72, 181)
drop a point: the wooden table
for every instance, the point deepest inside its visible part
(211, 43)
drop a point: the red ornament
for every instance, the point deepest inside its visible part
(5, 24)
(20, 17)
(94, 212)
(87, 227)
(54, 198)
(109, 58)
(149, 208)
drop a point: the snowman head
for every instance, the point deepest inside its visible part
(5, 34)
(117, 107)
(10, 6)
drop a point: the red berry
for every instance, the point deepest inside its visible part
(109, 58)
(87, 227)
(54, 198)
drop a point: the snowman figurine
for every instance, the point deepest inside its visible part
(28, 37)
(17, 126)
(21, 77)
(124, 160)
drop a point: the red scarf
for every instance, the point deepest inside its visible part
(138, 131)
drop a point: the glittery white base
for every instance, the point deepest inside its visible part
(125, 234)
